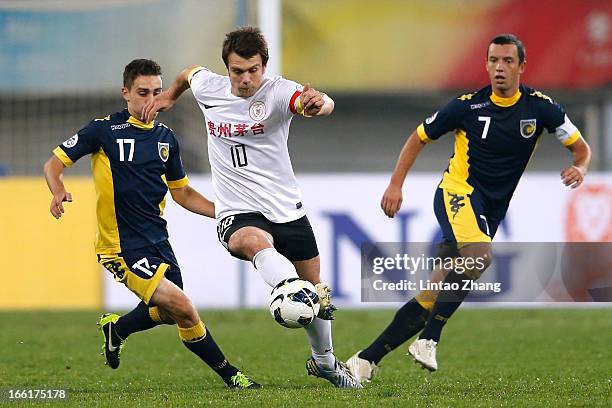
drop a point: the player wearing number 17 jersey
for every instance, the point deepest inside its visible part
(134, 164)
(496, 132)
(259, 208)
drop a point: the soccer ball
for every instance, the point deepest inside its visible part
(294, 303)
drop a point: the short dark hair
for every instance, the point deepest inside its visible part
(137, 68)
(246, 42)
(504, 39)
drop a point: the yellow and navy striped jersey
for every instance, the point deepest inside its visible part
(495, 138)
(133, 164)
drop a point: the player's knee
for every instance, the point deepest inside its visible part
(475, 258)
(247, 243)
(181, 310)
(188, 313)
(481, 262)
(448, 250)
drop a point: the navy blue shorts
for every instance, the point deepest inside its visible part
(141, 270)
(466, 218)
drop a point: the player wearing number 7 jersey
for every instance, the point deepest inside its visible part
(134, 163)
(259, 208)
(496, 132)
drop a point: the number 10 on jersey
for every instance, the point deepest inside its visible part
(239, 156)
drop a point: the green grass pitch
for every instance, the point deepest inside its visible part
(511, 358)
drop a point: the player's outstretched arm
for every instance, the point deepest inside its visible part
(53, 169)
(392, 197)
(315, 103)
(191, 200)
(573, 176)
(165, 100)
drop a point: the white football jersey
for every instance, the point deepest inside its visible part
(247, 146)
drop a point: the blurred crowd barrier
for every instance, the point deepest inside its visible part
(388, 64)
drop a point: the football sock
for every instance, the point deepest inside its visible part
(320, 339)
(199, 340)
(408, 321)
(447, 302)
(273, 267)
(139, 319)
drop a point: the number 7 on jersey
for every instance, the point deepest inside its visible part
(487, 121)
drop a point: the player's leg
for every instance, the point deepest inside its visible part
(319, 331)
(142, 317)
(297, 242)
(463, 214)
(115, 328)
(147, 279)
(195, 336)
(407, 321)
(248, 236)
(322, 362)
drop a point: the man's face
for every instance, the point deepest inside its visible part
(144, 88)
(246, 75)
(504, 68)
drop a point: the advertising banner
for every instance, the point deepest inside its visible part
(344, 211)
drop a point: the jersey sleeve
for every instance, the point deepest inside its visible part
(198, 78)
(175, 173)
(84, 142)
(288, 97)
(445, 120)
(556, 121)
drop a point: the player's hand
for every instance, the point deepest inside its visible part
(160, 103)
(572, 176)
(57, 208)
(311, 100)
(391, 200)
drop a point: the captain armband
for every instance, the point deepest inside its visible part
(567, 133)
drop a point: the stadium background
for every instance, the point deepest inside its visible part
(387, 64)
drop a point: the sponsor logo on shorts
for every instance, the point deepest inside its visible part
(456, 203)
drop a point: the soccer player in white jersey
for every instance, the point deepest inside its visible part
(258, 204)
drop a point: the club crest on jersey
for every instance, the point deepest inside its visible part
(430, 119)
(164, 151)
(72, 141)
(257, 110)
(528, 128)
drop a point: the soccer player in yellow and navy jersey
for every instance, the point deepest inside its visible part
(496, 132)
(134, 164)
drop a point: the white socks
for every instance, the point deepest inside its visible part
(320, 339)
(273, 267)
